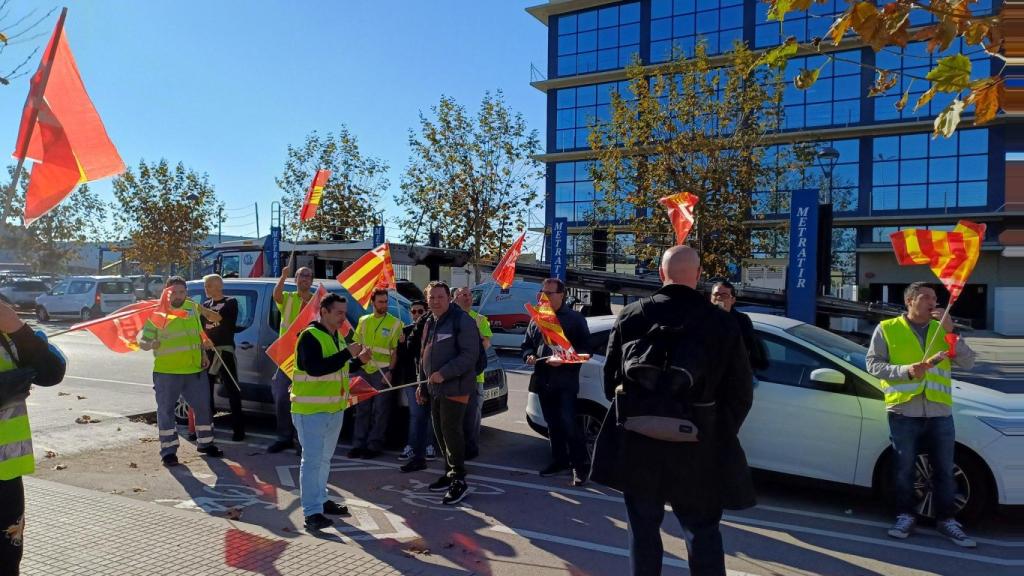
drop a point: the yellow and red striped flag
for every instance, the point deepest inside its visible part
(370, 271)
(282, 351)
(547, 322)
(314, 195)
(505, 272)
(680, 212)
(951, 255)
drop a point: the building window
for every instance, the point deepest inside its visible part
(880, 234)
(834, 100)
(579, 109)
(914, 60)
(680, 24)
(600, 39)
(574, 191)
(786, 180)
(914, 172)
(805, 25)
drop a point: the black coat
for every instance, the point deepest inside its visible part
(699, 477)
(566, 376)
(755, 348)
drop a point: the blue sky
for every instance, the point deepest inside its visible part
(225, 86)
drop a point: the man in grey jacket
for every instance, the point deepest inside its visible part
(451, 344)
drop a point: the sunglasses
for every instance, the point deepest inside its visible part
(416, 312)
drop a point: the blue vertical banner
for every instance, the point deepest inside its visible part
(378, 235)
(801, 275)
(559, 246)
(274, 251)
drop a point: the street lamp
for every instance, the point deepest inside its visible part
(827, 158)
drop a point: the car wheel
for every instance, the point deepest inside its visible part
(42, 314)
(972, 492)
(85, 314)
(543, 431)
(181, 411)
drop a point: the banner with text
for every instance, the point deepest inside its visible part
(559, 246)
(801, 276)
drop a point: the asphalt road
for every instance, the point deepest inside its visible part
(513, 522)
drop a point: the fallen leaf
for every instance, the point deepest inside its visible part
(133, 465)
(86, 419)
(147, 439)
(81, 397)
(234, 513)
(63, 394)
(117, 491)
(118, 428)
(138, 489)
(61, 467)
(51, 454)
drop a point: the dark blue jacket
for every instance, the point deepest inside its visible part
(567, 375)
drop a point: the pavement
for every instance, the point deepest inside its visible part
(75, 531)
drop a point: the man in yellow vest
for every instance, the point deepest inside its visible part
(319, 397)
(289, 304)
(179, 369)
(25, 359)
(475, 408)
(918, 390)
(380, 332)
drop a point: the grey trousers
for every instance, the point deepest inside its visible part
(471, 421)
(196, 390)
(372, 416)
(279, 386)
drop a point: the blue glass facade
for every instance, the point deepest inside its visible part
(889, 167)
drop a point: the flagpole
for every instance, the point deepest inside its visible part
(480, 310)
(34, 114)
(114, 316)
(945, 315)
(225, 368)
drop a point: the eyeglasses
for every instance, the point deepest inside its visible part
(548, 292)
(722, 295)
(416, 312)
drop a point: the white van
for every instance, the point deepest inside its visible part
(506, 310)
(85, 297)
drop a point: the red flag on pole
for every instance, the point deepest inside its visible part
(314, 195)
(119, 330)
(163, 312)
(61, 132)
(680, 212)
(282, 351)
(505, 272)
(359, 390)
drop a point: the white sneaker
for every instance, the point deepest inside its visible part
(406, 454)
(431, 454)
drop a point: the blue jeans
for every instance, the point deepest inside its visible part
(279, 385)
(935, 437)
(318, 435)
(703, 538)
(558, 405)
(421, 433)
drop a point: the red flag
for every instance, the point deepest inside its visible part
(163, 312)
(371, 270)
(547, 322)
(282, 351)
(119, 331)
(950, 255)
(505, 272)
(61, 132)
(951, 342)
(314, 195)
(680, 212)
(359, 390)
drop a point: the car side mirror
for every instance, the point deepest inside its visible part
(829, 377)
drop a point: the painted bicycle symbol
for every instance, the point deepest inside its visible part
(417, 494)
(222, 498)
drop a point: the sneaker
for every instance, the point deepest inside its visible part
(170, 460)
(904, 526)
(413, 466)
(334, 509)
(554, 469)
(579, 477)
(440, 485)
(407, 454)
(356, 453)
(371, 454)
(212, 451)
(431, 453)
(951, 529)
(317, 522)
(456, 492)
(279, 446)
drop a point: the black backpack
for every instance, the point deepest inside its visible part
(481, 358)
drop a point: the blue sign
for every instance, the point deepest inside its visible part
(801, 275)
(273, 251)
(378, 235)
(559, 247)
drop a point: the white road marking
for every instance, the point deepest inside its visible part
(150, 385)
(613, 550)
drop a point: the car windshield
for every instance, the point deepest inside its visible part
(834, 344)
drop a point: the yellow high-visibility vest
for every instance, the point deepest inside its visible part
(315, 394)
(381, 335)
(16, 458)
(905, 348)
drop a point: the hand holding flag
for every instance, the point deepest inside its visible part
(547, 322)
(680, 212)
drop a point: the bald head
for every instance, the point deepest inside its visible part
(680, 265)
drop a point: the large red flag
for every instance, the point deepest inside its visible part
(282, 351)
(163, 312)
(950, 255)
(680, 212)
(505, 272)
(61, 132)
(314, 195)
(119, 330)
(370, 271)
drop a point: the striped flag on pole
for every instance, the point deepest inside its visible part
(547, 322)
(951, 255)
(314, 195)
(371, 270)
(282, 351)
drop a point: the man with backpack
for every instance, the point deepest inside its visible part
(678, 372)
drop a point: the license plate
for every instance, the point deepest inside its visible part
(492, 393)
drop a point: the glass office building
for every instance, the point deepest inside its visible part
(890, 173)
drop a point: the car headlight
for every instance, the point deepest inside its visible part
(1005, 426)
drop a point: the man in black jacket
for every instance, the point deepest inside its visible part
(723, 295)
(25, 359)
(699, 478)
(557, 385)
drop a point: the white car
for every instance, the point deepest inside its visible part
(817, 413)
(85, 297)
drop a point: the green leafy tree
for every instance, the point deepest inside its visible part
(163, 213)
(886, 25)
(54, 239)
(691, 126)
(471, 178)
(352, 195)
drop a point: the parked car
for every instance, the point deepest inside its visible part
(147, 287)
(85, 297)
(257, 329)
(505, 309)
(817, 413)
(22, 292)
